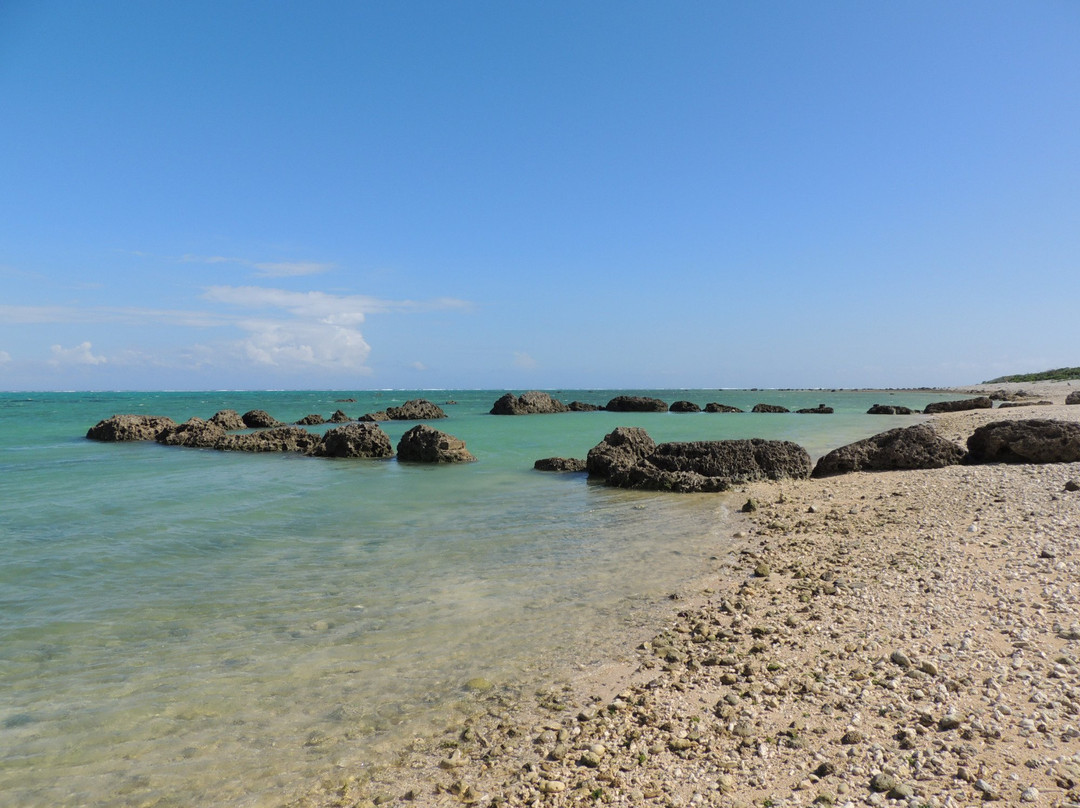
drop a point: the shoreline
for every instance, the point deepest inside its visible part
(866, 638)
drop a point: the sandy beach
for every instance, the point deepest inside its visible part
(884, 638)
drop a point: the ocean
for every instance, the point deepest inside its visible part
(183, 626)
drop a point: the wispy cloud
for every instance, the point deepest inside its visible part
(265, 269)
(4, 357)
(81, 354)
(523, 360)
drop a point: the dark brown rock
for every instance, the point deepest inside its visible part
(1007, 404)
(913, 447)
(424, 444)
(311, 420)
(381, 415)
(417, 409)
(1030, 441)
(229, 420)
(769, 408)
(581, 406)
(714, 407)
(820, 409)
(889, 409)
(259, 419)
(533, 402)
(636, 404)
(623, 447)
(274, 439)
(339, 417)
(129, 427)
(684, 406)
(569, 464)
(1073, 397)
(194, 433)
(628, 458)
(354, 440)
(980, 403)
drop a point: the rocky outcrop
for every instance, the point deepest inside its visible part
(581, 406)
(712, 406)
(820, 409)
(229, 420)
(569, 464)
(259, 419)
(129, 427)
(354, 440)
(1030, 441)
(194, 433)
(533, 402)
(1073, 397)
(769, 408)
(339, 417)
(913, 447)
(314, 419)
(636, 404)
(1009, 404)
(623, 447)
(980, 403)
(417, 409)
(628, 458)
(381, 415)
(273, 439)
(684, 406)
(889, 409)
(424, 444)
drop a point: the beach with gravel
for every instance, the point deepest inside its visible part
(874, 638)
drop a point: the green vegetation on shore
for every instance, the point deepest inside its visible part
(1057, 375)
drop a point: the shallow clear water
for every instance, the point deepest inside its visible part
(185, 627)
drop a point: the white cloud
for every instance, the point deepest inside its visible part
(418, 366)
(4, 357)
(523, 360)
(289, 342)
(81, 354)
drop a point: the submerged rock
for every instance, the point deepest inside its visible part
(259, 419)
(274, 439)
(581, 406)
(980, 403)
(354, 440)
(913, 447)
(1029, 441)
(533, 402)
(820, 409)
(636, 404)
(417, 409)
(129, 428)
(569, 464)
(424, 444)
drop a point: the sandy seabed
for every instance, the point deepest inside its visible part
(893, 638)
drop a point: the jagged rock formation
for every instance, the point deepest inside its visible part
(533, 402)
(568, 464)
(354, 440)
(913, 447)
(424, 444)
(129, 428)
(259, 419)
(636, 404)
(229, 420)
(1030, 441)
(417, 409)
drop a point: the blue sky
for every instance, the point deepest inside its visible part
(208, 195)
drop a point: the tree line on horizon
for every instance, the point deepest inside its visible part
(1056, 375)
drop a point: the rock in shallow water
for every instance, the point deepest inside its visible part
(424, 444)
(129, 427)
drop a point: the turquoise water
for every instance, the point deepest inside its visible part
(184, 627)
